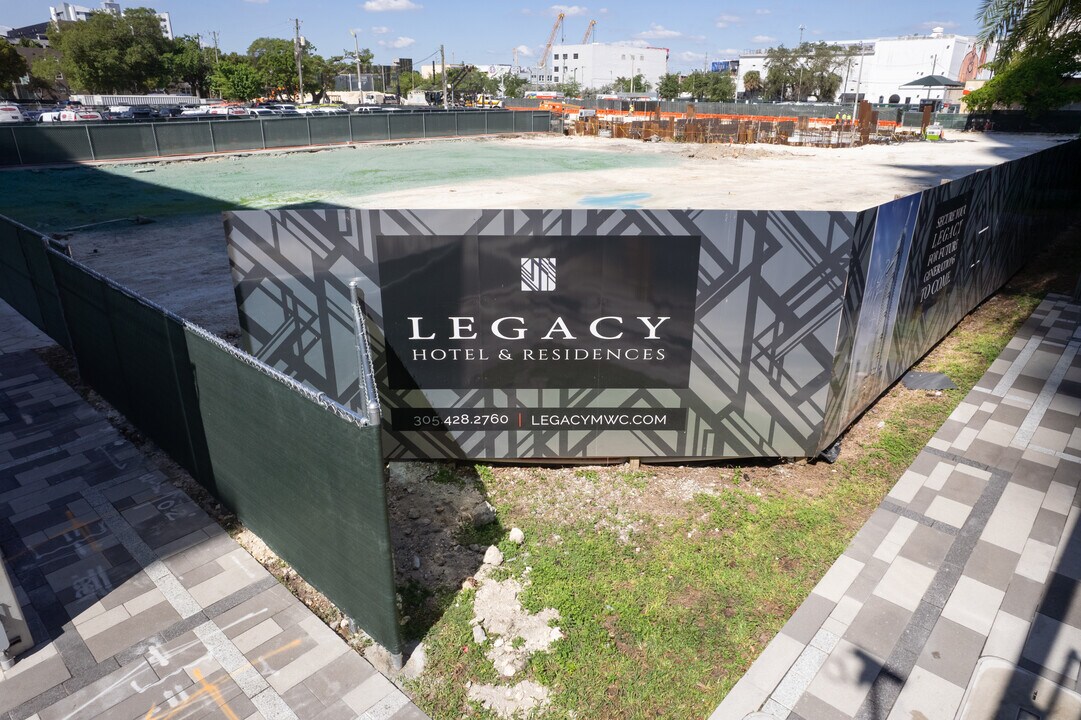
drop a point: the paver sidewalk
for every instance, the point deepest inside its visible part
(141, 605)
(972, 562)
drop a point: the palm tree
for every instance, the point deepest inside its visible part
(1016, 23)
(752, 83)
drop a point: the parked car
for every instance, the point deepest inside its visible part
(11, 113)
(75, 115)
(167, 111)
(262, 112)
(195, 111)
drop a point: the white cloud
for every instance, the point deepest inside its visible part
(763, 39)
(724, 21)
(763, 11)
(399, 42)
(390, 5)
(658, 31)
(569, 10)
(380, 29)
(524, 51)
(944, 24)
(692, 57)
(602, 11)
(727, 52)
(632, 43)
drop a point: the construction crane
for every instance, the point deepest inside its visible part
(551, 39)
(589, 31)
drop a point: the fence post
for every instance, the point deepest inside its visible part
(350, 128)
(262, 133)
(213, 142)
(486, 114)
(90, 142)
(154, 132)
(308, 124)
(457, 129)
(18, 151)
(424, 125)
(389, 116)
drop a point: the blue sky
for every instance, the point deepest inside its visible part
(485, 32)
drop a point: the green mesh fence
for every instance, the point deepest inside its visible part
(499, 122)
(29, 145)
(286, 132)
(237, 135)
(306, 480)
(370, 127)
(184, 138)
(53, 144)
(440, 124)
(122, 141)
(406, 125)
(304, 474)
(26, 282)
(9, 149)
(471, 123)
(330, 129)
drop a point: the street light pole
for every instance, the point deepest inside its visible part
(356, 56)
(859, 79)
(799, 87)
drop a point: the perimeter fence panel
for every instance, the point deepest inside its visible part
(499, 122)
(306, 480)
(56, 144)
(184, 138)
(233, 135)
(330, 129)
(370, 127)
(440, 124)
(286, 132)
(9, 149)
(303, 473)
(26, 281)
(409, 125)
(471, 123)
(122, 141)
(523, 121)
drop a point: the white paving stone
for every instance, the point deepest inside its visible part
(973, 604)
(939, 475)
(905, 583)
(845, 678)
(1007, 637)
(895, 539)
(907, 486)
(1011, 521)
(1035, 561)
(1059, 498)
(948, 511)
(835, 583)
(927, 696)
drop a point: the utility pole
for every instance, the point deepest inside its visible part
(799, 87)
(356, 55)
(297, 50)
(217, 55)
(443, 62)
(859, 78)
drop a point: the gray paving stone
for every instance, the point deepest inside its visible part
(1033, 475)
(808, 618)
(926, 546)
(991, 565)
(337, 678)
(131, 631)
(1022, 597)
(877, 626)
(951, 652)
(253, 611)
(1048, 527)
(303, 702)
(27, 684)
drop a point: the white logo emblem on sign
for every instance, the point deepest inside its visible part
(538, 274)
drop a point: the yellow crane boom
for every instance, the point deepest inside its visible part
(589, 31)
(551, 39)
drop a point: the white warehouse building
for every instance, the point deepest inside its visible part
(881, 67)
(595, 65)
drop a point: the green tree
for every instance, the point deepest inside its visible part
(275, 62)
(235, 78)
(513, 85)
(12, 66)
(110, 52)
(319, 73)
(1039, 78)
(695, 84)
(752, 83)
(187, 61)
(1017, 24)
(628, 85)
(720, 87)
(810, 69)
(668, 87)
(571, 89)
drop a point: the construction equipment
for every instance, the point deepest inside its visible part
(551, 39)
(589, 32)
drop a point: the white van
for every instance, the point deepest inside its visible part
(11, 113)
